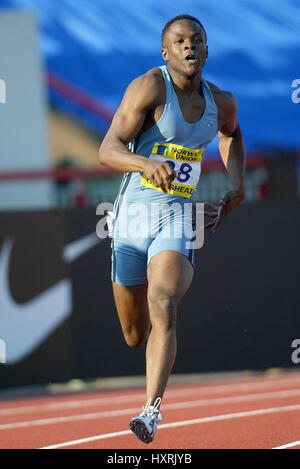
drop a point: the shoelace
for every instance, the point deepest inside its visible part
(153, 410)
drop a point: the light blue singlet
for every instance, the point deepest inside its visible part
(147, 220)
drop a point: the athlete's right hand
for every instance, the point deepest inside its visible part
(160, 174)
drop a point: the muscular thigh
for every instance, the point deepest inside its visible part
(169, 272)
(132, 306)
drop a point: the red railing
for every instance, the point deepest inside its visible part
(65, 174)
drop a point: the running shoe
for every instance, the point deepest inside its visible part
(144, 426)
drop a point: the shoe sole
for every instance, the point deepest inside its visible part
(140, 430)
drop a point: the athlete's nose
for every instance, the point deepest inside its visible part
(190, 46)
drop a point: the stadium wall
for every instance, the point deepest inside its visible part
(58, 320)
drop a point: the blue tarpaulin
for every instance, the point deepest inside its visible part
(93, 49)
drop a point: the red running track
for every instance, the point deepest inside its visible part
(250, 413)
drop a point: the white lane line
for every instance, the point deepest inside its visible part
(212, 389)
(288, 445)
(74, 404)
(135, 410)
(181, 423)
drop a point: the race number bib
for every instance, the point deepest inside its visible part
(185, 161)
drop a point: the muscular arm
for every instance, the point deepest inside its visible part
(126, 124)
(232, 146)
(233, 154)
(141, 96)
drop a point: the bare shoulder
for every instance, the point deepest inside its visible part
(152, 78)
(148, 88)
(225, 100)
(227, 110)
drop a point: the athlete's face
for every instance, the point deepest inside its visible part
(185, 47)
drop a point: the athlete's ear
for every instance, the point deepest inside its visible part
(206, 51)
(165, 54)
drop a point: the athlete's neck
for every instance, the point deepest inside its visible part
(188, 85)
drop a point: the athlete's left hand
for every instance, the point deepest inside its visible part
(230, 201)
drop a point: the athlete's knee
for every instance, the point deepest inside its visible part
(135, 342)
(135, 338)
(162, 307)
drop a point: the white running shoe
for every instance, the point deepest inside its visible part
(145, 425)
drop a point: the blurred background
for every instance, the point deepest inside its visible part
(64, 67)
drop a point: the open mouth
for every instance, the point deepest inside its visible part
(191, 59)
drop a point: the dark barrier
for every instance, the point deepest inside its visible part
(241, 312)
(35, 298)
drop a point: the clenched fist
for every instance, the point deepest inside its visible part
(160, 174)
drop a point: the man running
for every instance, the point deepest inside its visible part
(157, 137)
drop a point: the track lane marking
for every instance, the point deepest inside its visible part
(135, 410)
(181, 423)
(288, 445)
(213, 388)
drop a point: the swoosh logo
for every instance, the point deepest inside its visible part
(25, 326)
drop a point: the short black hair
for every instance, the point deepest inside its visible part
(177, 18)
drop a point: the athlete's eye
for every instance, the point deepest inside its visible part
(180, 41)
